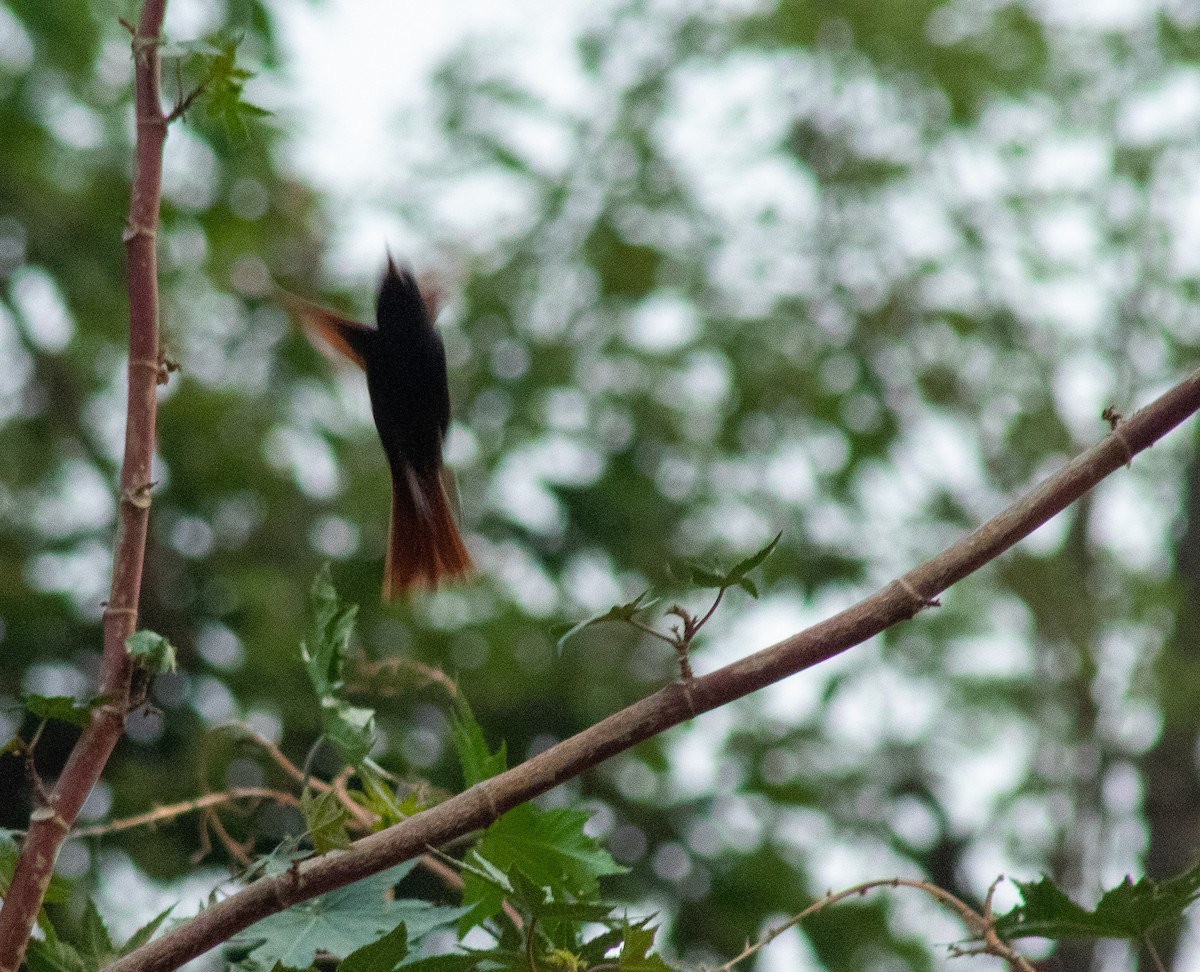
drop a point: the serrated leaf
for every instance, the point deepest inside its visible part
(350, 728)
(743, 567)
(376, 796)
(53, 955)
(343, 921)
(1131, 910)
(95, 942)
(151, 651)
(146, 932)
(618, 612)
(61, 707)
(453, 962)
(479, 763)
(223, 82)
(324, 652)
(326, 820)
(546, 847)
(636, 955)
(702, 575)
(747, 585)
(381, 955)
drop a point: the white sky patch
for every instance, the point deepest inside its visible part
(662, 322)
(973, 778)
(1166, 111)
(1083, 387)
(1182, 212)
(80, 499)
(1107, 15)
(41, 309)
(1061, 164)
(307, 458)
(692, 767)
(83, 574)
(881, 705)
(1129, 524)
(356, 66)
(1067, 234)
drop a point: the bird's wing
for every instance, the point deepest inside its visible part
(348, 337)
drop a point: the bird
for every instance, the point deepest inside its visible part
(405, 364)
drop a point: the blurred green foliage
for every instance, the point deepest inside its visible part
(855, 271)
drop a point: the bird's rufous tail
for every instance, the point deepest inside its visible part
(424, 545)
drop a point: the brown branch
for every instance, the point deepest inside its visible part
(481, 804)
(163, 814)
(49, 825)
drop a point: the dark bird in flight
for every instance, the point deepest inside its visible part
(405, 362)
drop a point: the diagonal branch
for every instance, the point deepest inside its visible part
(52, 821)
(481, 804)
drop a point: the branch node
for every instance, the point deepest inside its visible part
(686, 687)
(919, 602)
(49, 815)
(109, 609)
(133, 231)
(1115, 421)
(138, 496)
(485, 788)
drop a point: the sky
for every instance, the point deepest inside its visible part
(357, 69)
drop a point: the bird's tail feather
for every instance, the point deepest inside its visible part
(424, 545)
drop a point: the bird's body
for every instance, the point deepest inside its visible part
(405, 364)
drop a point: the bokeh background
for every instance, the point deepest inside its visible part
(857, 271)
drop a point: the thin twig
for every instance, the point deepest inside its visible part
(642, 626)
(161, 815)
(1159, 965)
(711, 611)
(981, 925)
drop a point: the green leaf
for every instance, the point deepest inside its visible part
(326, 819)
(146, 932)
(618, 612)
(51, 954)
(95, 942)
(702, 575)
(381, 955)
(478, 762)
(325, 652)
(1130, 910)
(61, 707)
(342, 922)
(350, 728)
(376, 795)
(743, 567)
(635, 950)
(547, 847)
(151, 651)
(223, 82)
